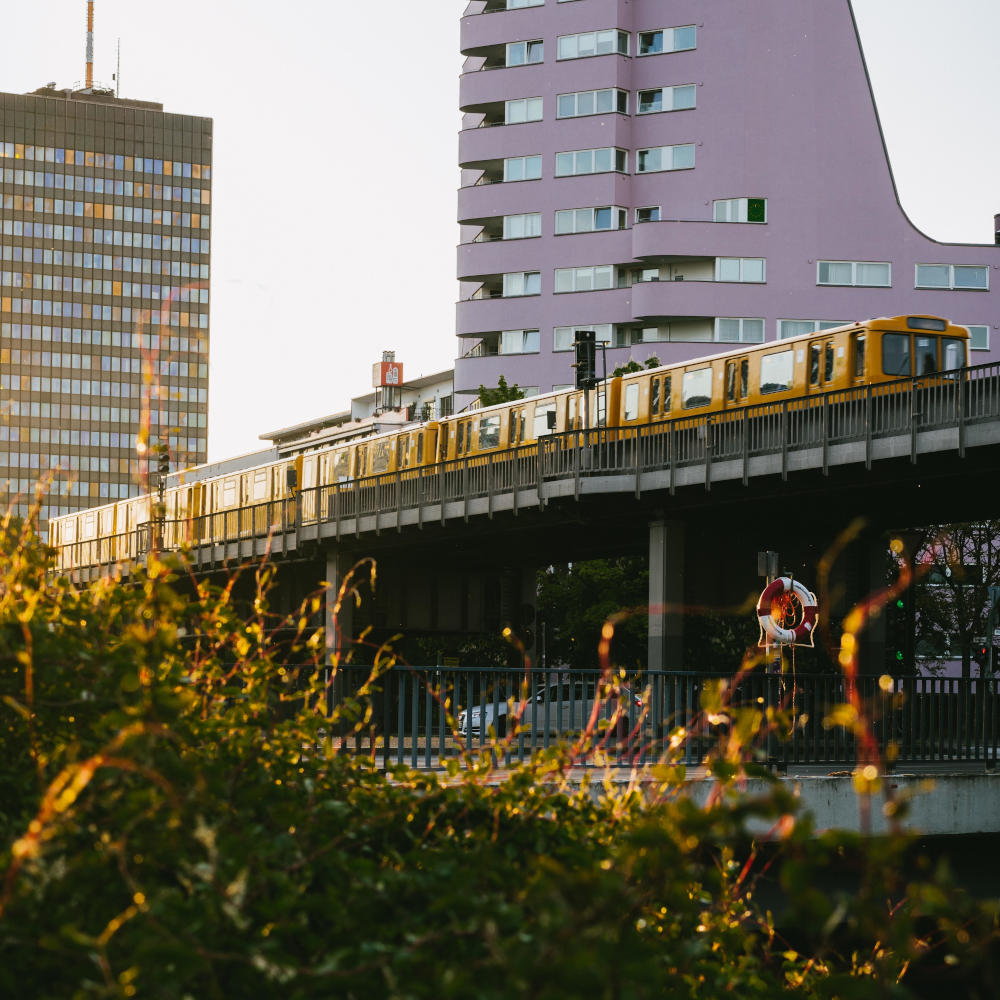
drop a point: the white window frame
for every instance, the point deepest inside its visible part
(523, 160)
(527, 47)
(668, 99)
(568, 46)
(815, 326)
(952, 270)
(854, 265)
(663, 151)
(530, 106)
(736, 210)
(743, 265)
(595, 278)
(575, 220)
(666, 33)
(985, 328)
(746, 334)
(526, 220)
(577, 154)
(563, 337)
(514, 280)
(527, 339)
(615, 92)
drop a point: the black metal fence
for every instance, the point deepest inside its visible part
(422, 717)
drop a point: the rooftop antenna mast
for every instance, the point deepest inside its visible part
(90, 45)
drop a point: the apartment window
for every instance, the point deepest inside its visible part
(590, 220)
(652, 43)
(591, 161)
(525, 53)
(522, 283)
(584, 279)
(739, 210)
(520, 227)
(519, 342)
(797, 327)
(733, 330)
(955, 276)
(665, 99)
(522, 168)
(593, 43)
(739, 269)
(563, 337)
(664, 158)
(853, 272)
(526, 109)
(979, 338)
(592, 102)
(650, 214)
(519, 4)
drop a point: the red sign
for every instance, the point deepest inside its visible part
(387, 373)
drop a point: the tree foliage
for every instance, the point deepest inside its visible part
(175, 822)
(632, 366)
(955, 566)
(503, 393)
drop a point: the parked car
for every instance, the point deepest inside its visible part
(561, 708)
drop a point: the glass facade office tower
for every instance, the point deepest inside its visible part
(105, 209)
(681, 177)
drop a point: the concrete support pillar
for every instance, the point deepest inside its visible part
(666, 595)
(339, 631)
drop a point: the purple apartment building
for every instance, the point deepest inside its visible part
(678, 176)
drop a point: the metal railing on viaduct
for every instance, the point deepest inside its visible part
(950, 412)
(422, 716)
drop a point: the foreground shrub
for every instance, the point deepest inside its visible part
(173, 824)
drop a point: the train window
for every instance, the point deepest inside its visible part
(90, 526)
(859, 355)
(632, 401)
(667, 380)
(229, 493)
(814, 350)
(731, 381)
(489, 432)
(744, 378)
(952, 354)
(460, 440)
(696, 388)
(342, 466)
(402, 451)
(420, 447)
(260, 484)
(381, 452)
(925, 355)
(776, 371)
(654, 397)
(896, 353)
(828, 362)
(545, 419)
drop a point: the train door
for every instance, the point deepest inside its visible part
(822, 364)
(259, 484)
(309, 493)
(660, 388)
(737, 382)
(859, 358)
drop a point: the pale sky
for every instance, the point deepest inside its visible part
(335, 167)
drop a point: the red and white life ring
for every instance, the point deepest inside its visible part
(774, 632)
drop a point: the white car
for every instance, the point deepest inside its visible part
(560, 708)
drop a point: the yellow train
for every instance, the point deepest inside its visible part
(241, 503)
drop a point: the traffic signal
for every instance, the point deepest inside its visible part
(586, 359)
(163, 460)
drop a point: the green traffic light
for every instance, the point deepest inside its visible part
(899, 602)
(899, 655)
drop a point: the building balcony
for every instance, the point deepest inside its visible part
(482, 201)
(653, 299)
(478, 32)
(514, 313)
(481, 260)
(678, 239)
